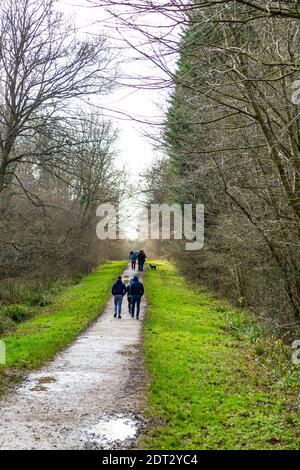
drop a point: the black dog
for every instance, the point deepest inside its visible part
(153, 267)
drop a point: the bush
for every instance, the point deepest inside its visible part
(39, 301)
(15, 312)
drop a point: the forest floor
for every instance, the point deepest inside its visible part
(193, 373)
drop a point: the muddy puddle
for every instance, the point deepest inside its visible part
(113, 431)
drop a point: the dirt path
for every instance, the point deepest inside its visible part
(89, 396)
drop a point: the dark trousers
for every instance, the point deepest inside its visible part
(129, 304)
(133, 263)
(136, 301)
(141, 265)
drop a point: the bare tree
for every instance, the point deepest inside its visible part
(43, 65)
(50, 230)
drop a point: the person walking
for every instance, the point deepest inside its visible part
(137, 292)
(141, 260)
(133, 258)
(129, 295)
(118, 291)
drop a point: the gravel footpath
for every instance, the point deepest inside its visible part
(88, 397)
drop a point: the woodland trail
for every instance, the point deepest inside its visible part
(87, 397)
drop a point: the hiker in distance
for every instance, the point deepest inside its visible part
(118, 291)
(141, 260)
(137, 292)
(133, 257)
(140, 257)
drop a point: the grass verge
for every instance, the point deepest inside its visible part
(21, 299)
(37, 340)
(215, 384)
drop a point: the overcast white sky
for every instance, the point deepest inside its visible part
(126, 104)
(134, 149)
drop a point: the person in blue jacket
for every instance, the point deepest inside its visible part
(133, 259)
(118, 291)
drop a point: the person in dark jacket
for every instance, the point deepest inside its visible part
(137, 291)
(141, 260)
(129, 295)
(118, 291)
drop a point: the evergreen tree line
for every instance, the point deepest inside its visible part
(231, 139)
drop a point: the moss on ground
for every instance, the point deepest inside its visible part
(211, 387)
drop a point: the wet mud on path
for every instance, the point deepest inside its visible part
(88, 397)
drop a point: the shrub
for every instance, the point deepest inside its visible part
(15, 312)
(39, 301)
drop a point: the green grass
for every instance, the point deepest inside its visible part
(21, 298)
(37, 340)
(33, 292)
(212, 386)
